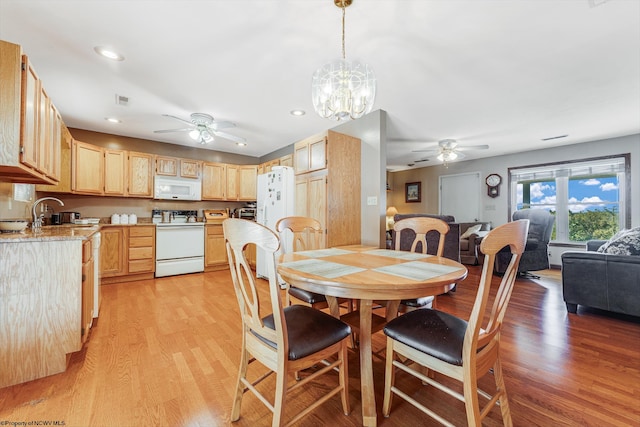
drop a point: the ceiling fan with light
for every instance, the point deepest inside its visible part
(448, 150)
(202, 128)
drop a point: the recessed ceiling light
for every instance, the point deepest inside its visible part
(108, 53)
(297, 112)
(241, 144)
(113, 120)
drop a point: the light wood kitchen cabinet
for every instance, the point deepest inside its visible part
(332, 195)
(115, 172)
(28, 151)
(140, 175)
(215, 252)
(190, 168)
(87, 289)
(31, 105)
(55, 142)
(214, 181)
(64, 184)
(173, 166)
(167, 166)
(142, 249)
(87, 171)
(267, 166)
(99, 171)
(113, 251)
(286, 160)
(127, 253)
(45, 152)
(310, 154)
(242, 182)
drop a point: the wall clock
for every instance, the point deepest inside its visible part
(493, 184)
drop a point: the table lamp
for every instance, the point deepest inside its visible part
(391, 211)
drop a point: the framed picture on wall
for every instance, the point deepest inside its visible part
(412, 192)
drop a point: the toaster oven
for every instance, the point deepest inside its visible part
(247, 213)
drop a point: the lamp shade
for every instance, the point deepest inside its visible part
(391, 211)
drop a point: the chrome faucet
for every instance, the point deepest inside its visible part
(37, 220)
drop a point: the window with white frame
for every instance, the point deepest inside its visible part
(589, 198)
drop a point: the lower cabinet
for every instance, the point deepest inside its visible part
(127, 253)
(215, 253)
(142, 252)
(87, 289)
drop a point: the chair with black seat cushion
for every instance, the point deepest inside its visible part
(305, 234)
(421, 226)
(285, 339)
(459, 349)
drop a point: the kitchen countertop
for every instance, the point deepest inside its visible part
(51, 233)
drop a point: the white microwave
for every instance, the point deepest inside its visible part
(177, 189)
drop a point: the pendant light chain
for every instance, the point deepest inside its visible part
(344, 55)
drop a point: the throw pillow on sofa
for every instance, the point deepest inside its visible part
(625, 242)
(471, 230)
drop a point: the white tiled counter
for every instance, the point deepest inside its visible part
(40, 301)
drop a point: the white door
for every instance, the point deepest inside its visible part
(460, 196)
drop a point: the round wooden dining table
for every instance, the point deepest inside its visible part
(369, 274)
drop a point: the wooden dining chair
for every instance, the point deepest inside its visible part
(285, 339)
(306, 234)
(420, 226)
(459, 349)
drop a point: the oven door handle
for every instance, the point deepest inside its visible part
(179, 227)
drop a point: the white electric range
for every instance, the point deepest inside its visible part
(179, 242)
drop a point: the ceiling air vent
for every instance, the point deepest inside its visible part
(554, 137)
(122, 100)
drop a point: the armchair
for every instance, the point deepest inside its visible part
(536, 255)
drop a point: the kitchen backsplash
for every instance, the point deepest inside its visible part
(9, 208)
(99, 207)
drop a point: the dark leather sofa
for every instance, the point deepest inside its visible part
(605, 281)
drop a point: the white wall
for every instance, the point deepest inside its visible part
(496, 210)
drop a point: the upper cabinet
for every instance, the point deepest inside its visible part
(115, 172)
(282, 161)
(310, 154)
(242, 182)
(214, 181)
(331, 193)
(87, 171)
(172, 166)
(99, 171)
(190, 168)
(140, 175)
(30, 125)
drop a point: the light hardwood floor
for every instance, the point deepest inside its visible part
(164, 353)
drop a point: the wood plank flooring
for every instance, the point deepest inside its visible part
(165, 352)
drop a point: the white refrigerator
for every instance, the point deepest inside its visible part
(276, 192)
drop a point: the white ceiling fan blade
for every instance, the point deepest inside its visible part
(172, 130)
(229, 136)
(471, 147)
(221, 125)
(430, 150)
(178, 118)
